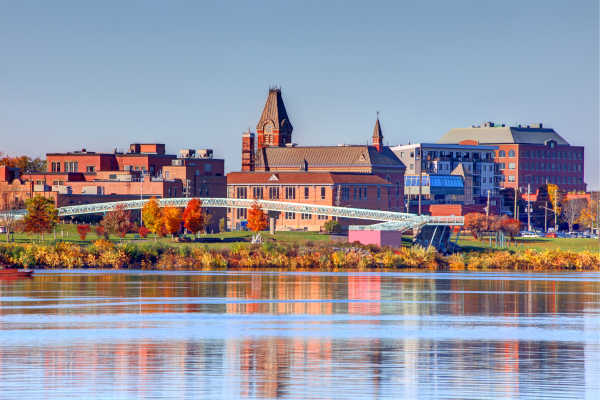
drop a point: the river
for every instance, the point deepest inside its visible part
(300, 334)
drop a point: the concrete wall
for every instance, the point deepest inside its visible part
(379, 238)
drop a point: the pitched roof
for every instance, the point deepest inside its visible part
(304, 178)
(377, 131)
(274, 111)
(502, 136)
(330, 156)
(461, 171)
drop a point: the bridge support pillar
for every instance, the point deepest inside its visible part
(272, 225)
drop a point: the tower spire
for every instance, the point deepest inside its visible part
(378, 135)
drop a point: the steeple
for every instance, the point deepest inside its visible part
(274, 127)
(378, 136)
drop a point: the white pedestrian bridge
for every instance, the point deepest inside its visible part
(391, 221)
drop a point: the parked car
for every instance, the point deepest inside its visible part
(530, 234)
(552, 235)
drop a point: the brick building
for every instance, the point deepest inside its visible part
(357, 190)
(527, 154)
(272, 150)
(143, 171)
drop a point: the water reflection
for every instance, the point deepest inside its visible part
(253, 334)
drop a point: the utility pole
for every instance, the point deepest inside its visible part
(420, 173)
(546, 218)
(529, 207)
(487, 209)
(515, 212)
(555, 216)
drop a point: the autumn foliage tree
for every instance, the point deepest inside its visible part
(118, 221)
(83, 231)
(172, 219)
(476, 223)
(511, 227)
(41, 217)
(257, 219)
(152, 216)
(192, 216)
(143, 231)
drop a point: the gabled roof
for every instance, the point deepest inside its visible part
(304, 178)
(274, 111)
(377, 131)
(330, 156)
(460, 170)
(502, 136)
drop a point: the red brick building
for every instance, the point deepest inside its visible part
(527, 154)
(356, 190)
(144, 170)
(272, 150)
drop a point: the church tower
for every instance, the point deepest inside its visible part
(274, 127)
(378, 136)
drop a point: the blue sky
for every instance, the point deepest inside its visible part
(190, 74)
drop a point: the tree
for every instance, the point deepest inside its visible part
(10, 203)
(83, 231)
(222, 223)
(101, 232)
(590, 215)
(555, 196)
(206, 220)
(153, 216)
(192, 216)
(571, 211)
(118, 221)
(172, 218)
(511, 227)
(476, 223)
(143, 231)
(257, 219)
(41, 216)
(26, 164)
(332, 226)
(495, 222)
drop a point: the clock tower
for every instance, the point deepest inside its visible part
(274, 128)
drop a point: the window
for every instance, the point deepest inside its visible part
(354, 192)
(365, 193)
(511, 165)
(322, 217)
(511, 178)
(290, 215)
(502, 153)
(290, 192)
(113, 176)
(257, 192)
(345, 193)
(71, 166)
(207, 167)
(580, 168)
(305, 216)
(206, 191)
(559, 155)
(197, 172)
(273, 193)
(378, 194)
(169, 192)
(511, 153)
(241, 213)
(306, 193)
(174, 192)
(322, 193)
(553, 167)
(55, 167)
(401, 154)
(412, 166)
(522, 153)
(242, 193)
(90, 168)
(527, 154)
(570, 155)
(502, 166)
(360, 193)
(553, 154)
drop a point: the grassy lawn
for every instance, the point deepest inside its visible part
(470, 244)
(73, 237)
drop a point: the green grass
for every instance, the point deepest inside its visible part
(539, 244)
(73, 237)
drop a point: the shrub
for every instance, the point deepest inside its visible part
(101, 232)
(332, 226)
(143, 231)
(83, 231)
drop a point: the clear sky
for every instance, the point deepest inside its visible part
(103, 74)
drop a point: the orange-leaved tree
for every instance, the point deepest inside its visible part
(476, 223)
(153, 216)
(118, 221)
(257, 219)
(511, 227)
(172, 219)
(83, 231)
(192, 216)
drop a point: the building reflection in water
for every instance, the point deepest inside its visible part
(272, 335)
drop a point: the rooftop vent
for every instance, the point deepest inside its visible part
(537, 126)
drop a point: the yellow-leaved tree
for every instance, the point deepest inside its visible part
(153, 216)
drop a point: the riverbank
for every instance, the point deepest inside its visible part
(317, 255)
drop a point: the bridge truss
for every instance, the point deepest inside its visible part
(393, 221)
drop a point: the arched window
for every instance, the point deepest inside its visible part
(502, 153)
(511, 153)
(397, 189)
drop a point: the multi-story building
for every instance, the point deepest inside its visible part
(452, 174)
(145, 170)
(530, 154)
(272, 150)
(357, 190)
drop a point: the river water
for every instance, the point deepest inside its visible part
(312, 334)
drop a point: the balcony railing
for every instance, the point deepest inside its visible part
(476, 172)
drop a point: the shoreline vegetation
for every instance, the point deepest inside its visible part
(104, 254)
